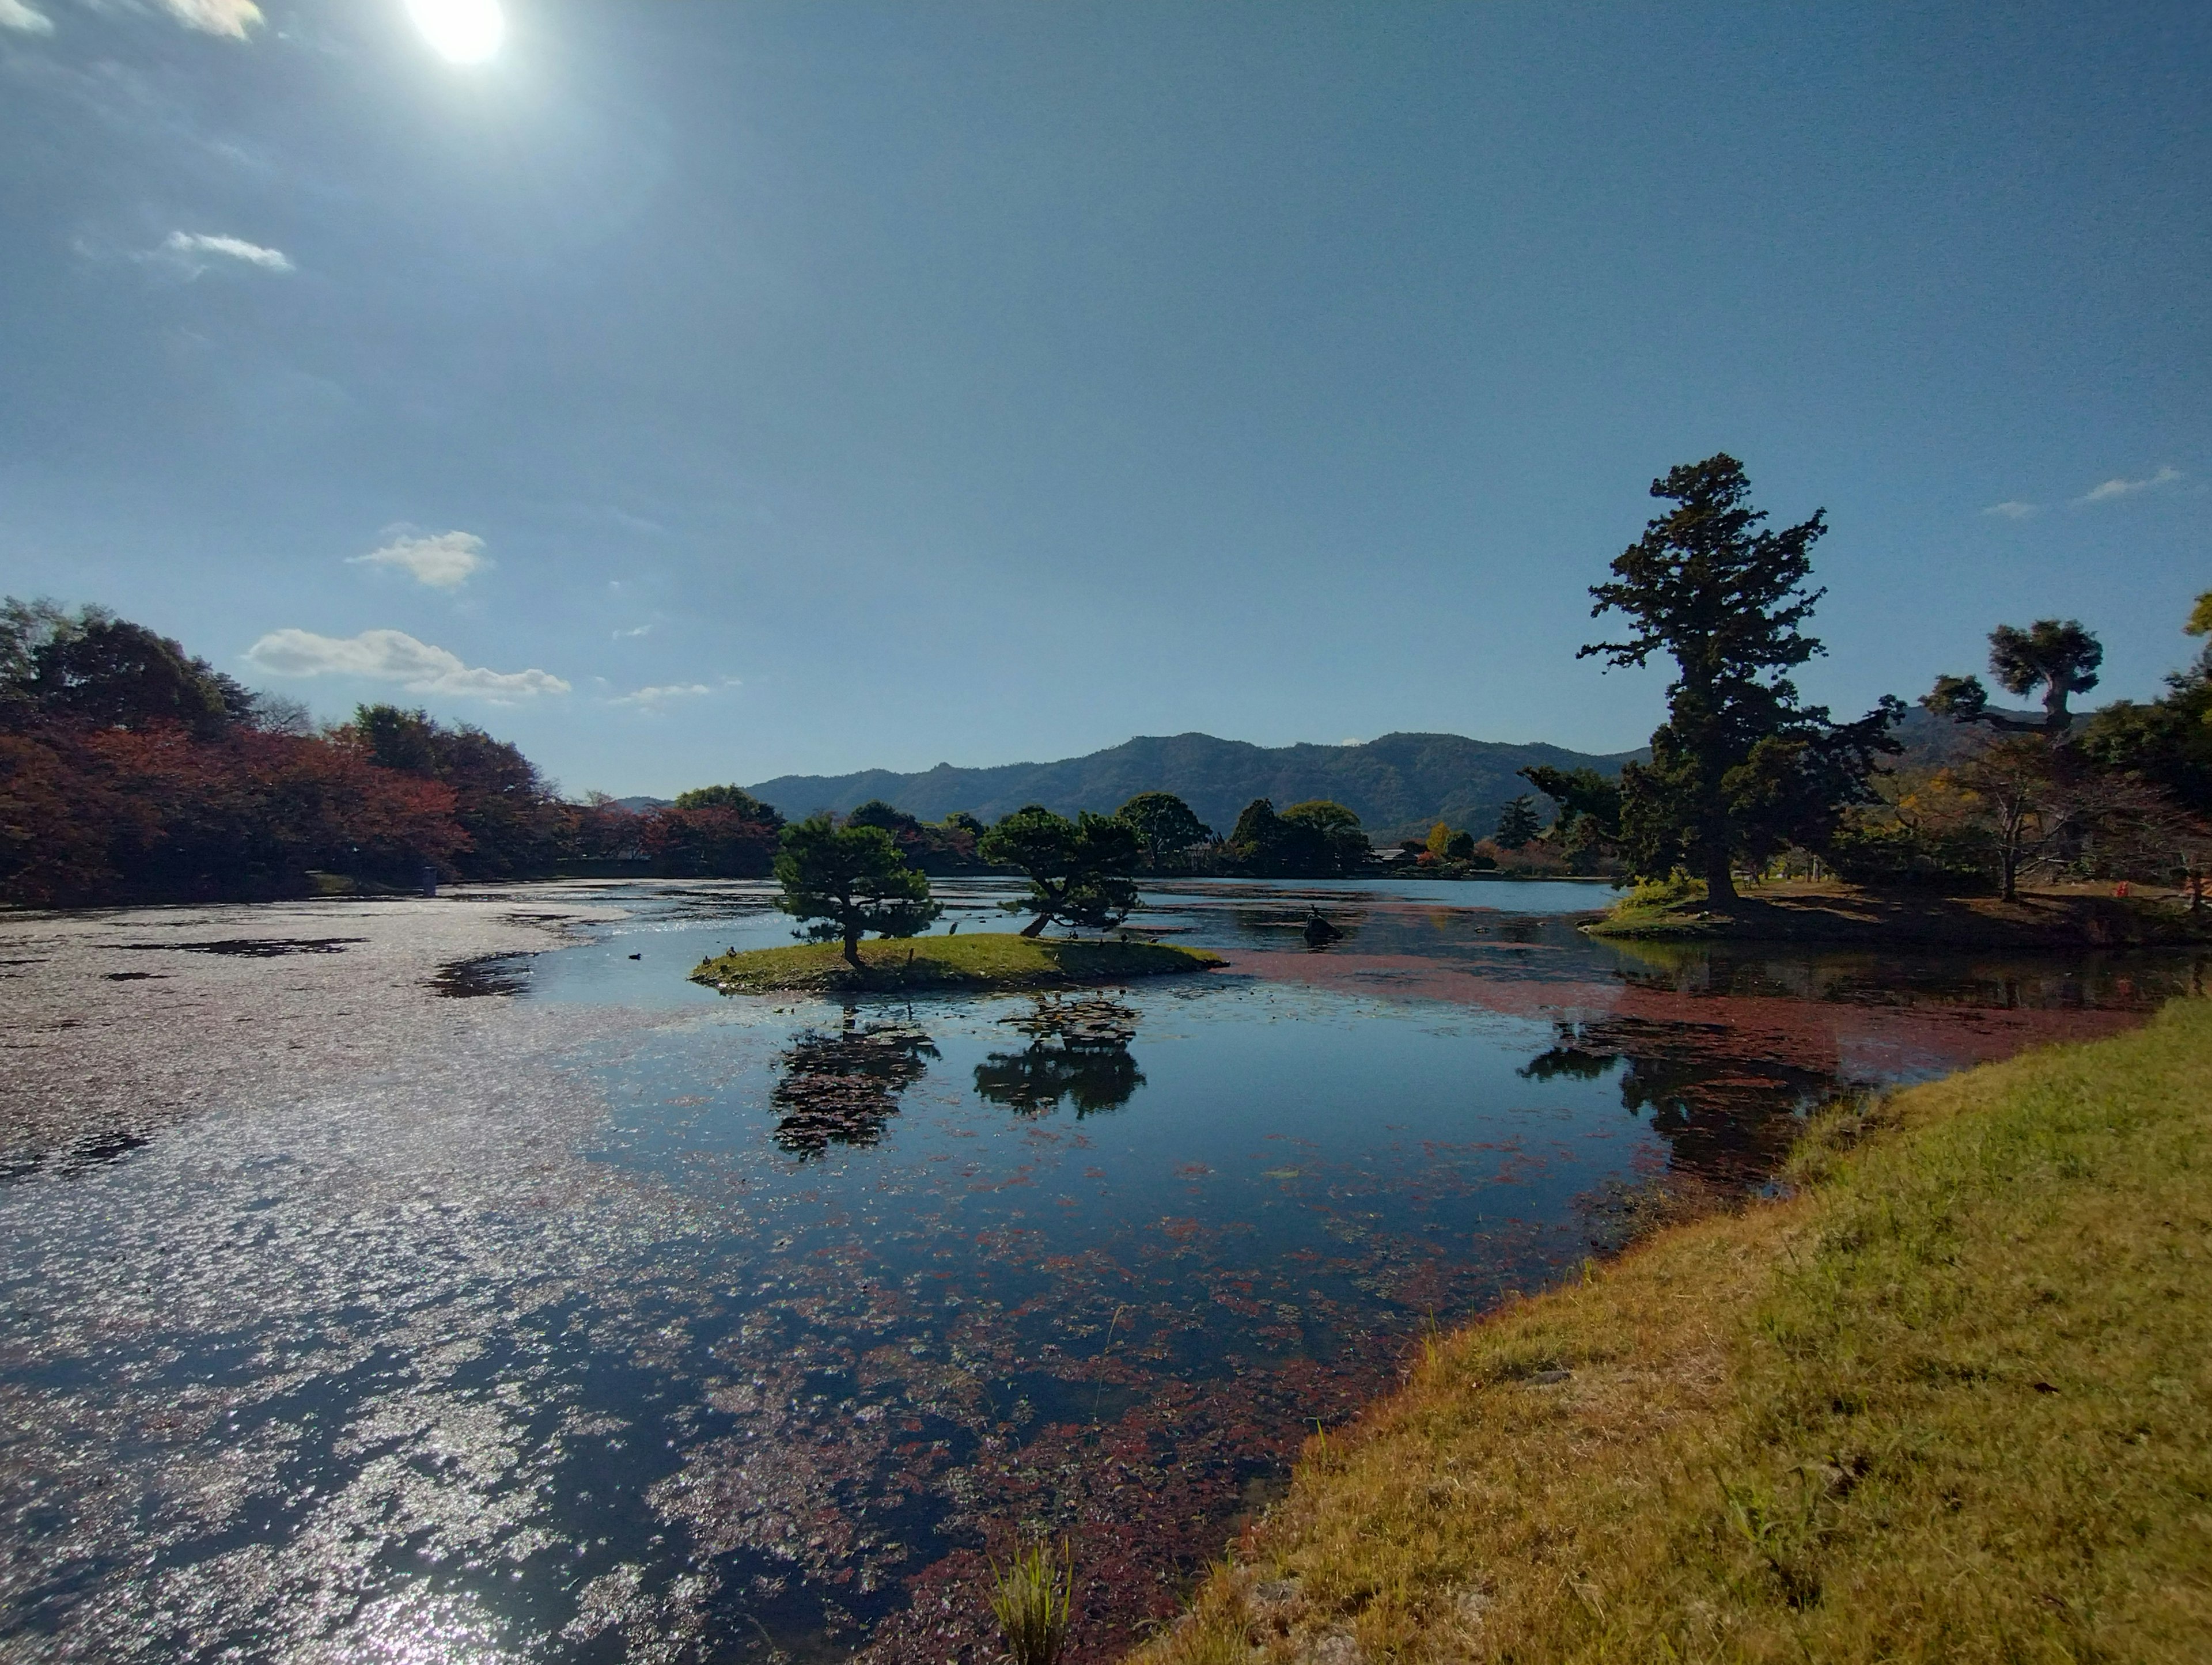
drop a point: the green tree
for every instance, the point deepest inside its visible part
(1080, 872)
(1317, 839)
(1739, 770)
(737, 799)
(92, 668)
(893, 820)
(1329, 839)
(2168, 742)
(1583, 796)
(2056, 655)
(850, 880)
(1518, 823)
(1164, 825)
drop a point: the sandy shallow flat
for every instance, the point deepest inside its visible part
(118, 1022)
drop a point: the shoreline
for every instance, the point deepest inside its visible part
(1884, 1416)
(2056, 921)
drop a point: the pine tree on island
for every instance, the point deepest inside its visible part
(1080, 872)
(850, 881)
(1740, 770)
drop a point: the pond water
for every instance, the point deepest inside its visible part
(744, 1328)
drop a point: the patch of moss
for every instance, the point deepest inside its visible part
(988, 960)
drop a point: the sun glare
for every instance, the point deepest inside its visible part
(460, 31)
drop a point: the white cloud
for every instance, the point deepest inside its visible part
(230, 17)
(393, 656)
(443, 560)
(14, 14)
(2014, 509)
(192, 250)
(642, 629)
(2124, 488)
(654, 698)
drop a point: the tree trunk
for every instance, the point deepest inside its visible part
(1035, 926)
(853, 949)
(1719, 881)
(2008, 863)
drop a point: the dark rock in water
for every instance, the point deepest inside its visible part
(1319, 932)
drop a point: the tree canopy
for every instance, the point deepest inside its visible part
(1080, 872)
(512, 816)
(1165, 826)
(2056, 655)
(849, 881)
(1317, 839)
(736, 800)
(1740, 768)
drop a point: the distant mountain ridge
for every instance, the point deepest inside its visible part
(1396, 784)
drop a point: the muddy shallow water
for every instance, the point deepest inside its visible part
(610, 1318)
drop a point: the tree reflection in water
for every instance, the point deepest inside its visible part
(1078, 1051)
(841, 1088)
(1727, 1119)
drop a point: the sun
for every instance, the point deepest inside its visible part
(460, 31)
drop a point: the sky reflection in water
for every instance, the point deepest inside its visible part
(744, 1331)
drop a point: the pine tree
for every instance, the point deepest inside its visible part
(1740, 769)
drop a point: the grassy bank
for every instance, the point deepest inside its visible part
(988, 960)
(1951, 1401)
(2082, 917)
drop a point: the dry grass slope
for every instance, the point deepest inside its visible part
(1952, 1402)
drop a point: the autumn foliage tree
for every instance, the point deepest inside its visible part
(131, 771)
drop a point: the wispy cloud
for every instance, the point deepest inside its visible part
(230, 17)
(642, 629)
(653, 698)
(2118, 486)
(394, 656)
(14, 14)
(2014, 509)
(196, 250)
(443, 560)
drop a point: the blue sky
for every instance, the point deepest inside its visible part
(698, 392)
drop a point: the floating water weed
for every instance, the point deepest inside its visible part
(1029, 1597)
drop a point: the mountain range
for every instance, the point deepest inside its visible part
(1399, 785)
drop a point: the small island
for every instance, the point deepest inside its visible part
(988, 960)
(847, 883)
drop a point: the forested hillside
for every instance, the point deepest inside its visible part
(1400, 784)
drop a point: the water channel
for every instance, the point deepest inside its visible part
(744, 1328)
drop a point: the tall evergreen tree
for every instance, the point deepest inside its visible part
(1518, 823)
(1740, 769)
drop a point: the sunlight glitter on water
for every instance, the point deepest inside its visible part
(741, 1327)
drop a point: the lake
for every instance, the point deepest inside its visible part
(656, 1324)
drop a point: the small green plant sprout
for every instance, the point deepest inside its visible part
(1032, 1597)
